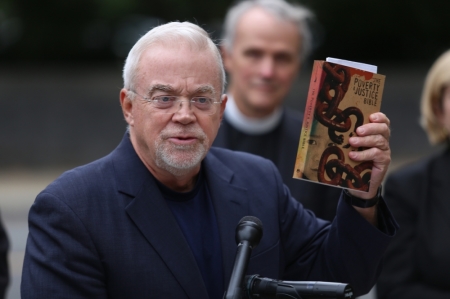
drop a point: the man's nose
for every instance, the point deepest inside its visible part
(183, 105)
(267, 67)
(184, 113)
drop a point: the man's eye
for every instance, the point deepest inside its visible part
(312, 142)
(283, 58)
(202, 100)
(252, 53)
(165, 99)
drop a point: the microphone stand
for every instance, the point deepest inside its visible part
(256, 287)
(248, 234)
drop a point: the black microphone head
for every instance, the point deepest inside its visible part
(249, 229)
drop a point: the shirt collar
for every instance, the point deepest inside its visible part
(250, 125)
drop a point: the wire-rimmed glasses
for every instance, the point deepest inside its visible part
(171, 104)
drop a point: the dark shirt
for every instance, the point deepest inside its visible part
(195, 215)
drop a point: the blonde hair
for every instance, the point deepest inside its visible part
(438, 78)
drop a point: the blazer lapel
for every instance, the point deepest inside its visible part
(230, 202)
(155, 220)
(150, 213)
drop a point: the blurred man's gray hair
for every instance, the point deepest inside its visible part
(295, 13)
(170, 34)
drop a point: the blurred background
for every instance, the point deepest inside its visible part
(60, 76)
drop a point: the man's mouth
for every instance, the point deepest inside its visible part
(264, 86)
(183, 139)
(183, 136)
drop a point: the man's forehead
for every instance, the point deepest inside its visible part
(258, 18)
(206, 88)
(178, 68)
(259, 27)
(174, 58)
(168, 54)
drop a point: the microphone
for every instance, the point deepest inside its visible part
(248, 235)
(266, 288)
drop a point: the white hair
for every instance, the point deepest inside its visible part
(281, 9)
(170, 34)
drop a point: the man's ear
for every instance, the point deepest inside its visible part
(223, 105)
(127, 106)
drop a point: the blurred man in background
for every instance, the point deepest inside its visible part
(264, 45)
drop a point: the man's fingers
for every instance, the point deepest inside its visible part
(378, 141)
(379, 117)
(374, 129)
(374, 154)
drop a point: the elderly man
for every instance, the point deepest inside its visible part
(264, 45)
(156, 217)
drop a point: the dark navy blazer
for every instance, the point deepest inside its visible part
(103, 230)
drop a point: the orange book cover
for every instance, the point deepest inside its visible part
(340, 98)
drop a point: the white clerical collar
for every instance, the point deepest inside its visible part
(251, 125)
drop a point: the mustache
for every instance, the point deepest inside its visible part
(196, 132)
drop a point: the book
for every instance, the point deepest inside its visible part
(341, 96)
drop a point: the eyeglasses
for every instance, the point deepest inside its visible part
(172, 104)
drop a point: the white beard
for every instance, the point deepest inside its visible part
(180, 159)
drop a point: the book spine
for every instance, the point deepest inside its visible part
(314, 88)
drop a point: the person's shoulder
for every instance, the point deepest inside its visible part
(293, 113)
(418, 166)
(408, 172)
(244, 167)
(240, 161)
(417, 170)
(87, 176)
(293, 116)
(226, 155)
